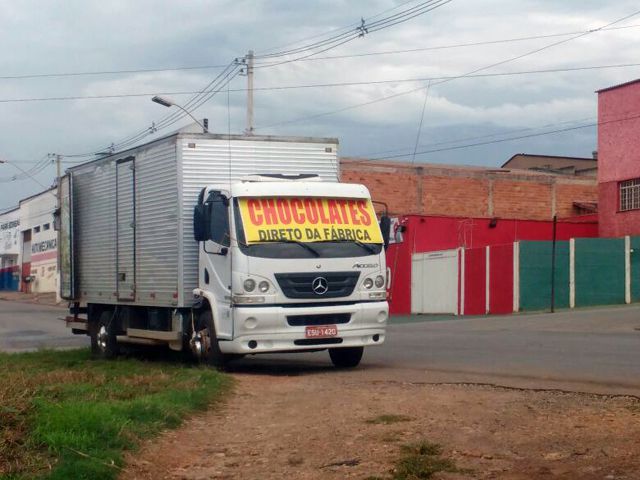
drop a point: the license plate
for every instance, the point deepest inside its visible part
(322, 331)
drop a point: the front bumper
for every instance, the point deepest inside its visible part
(266, 328)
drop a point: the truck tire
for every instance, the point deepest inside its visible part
(347, 357)
(211, 353)
(103, 336)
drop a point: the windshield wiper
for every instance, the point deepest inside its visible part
(297, 242)
(367, 246)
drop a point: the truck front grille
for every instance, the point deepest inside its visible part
(326, 319)
(317, 285)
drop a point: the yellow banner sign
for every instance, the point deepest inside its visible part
(309, 220)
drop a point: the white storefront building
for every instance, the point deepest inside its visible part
(38, 240)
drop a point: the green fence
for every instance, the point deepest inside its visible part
(535, 275)
(599, 271)
(635, 269)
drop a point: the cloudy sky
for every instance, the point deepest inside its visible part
(79, 36)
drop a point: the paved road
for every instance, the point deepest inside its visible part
(585, 350)
(594, 351)
(25, 326)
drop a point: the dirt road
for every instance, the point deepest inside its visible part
(325, 424)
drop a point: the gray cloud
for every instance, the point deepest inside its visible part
(89, 36)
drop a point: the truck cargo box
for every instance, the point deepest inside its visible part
(126, 232)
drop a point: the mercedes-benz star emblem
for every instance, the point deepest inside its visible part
(319, 285)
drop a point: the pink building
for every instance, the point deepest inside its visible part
(619, 160)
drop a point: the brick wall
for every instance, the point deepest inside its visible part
(469, 191)
(522, 199)
(468, 197)
(567, 193)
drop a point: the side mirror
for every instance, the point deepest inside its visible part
(385, 228)
(201, 223)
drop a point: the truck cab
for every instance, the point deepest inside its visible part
(288, 264)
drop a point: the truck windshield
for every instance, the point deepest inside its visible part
(310, 227)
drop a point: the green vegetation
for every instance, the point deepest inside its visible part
(388, 419)
(421, 461)
(64, 415)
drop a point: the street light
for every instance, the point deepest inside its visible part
(167, 102)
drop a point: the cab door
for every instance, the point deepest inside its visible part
(215, 260)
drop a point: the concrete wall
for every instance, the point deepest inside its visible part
(618, 156)
(470, 191)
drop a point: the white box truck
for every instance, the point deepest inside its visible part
(225, 245)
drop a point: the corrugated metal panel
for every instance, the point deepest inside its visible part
(94, 211)
(210, 161)
(157, 240)
(126, 230)
(164, 207)
(156, 225)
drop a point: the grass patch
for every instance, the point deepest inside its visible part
(64, 415)
(420, 461)
(388, 419)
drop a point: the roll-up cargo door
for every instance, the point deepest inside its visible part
(126, 228)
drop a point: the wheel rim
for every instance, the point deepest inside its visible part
(201, 343)
(102, 337)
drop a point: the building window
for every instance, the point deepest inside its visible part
(46, 227)
(630, 195)
(36, 229)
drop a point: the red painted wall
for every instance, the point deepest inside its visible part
(618, 156)
(501, 279)
(475, 281)
(432, 233)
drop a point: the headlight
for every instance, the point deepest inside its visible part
(379, 281)
(263, 286)
(244, 299)
(249, 285)
(368, 283)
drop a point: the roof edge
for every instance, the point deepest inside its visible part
(619, 85)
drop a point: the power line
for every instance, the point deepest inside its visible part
(340, 29)
(467, 74)
(462, 45)
(200, 97)
(510, 139)
(363, 29)
(229, 73)
(476, 137)
(333, 57)
(330, 85)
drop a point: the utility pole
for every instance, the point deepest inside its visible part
(59, 221)
(249, 129)
(59, 175)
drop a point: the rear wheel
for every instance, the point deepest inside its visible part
(348, 357)
(103, 336)
(204, 342)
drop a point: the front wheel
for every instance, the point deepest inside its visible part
(204, 342)
(103, 336)
(348, 357)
